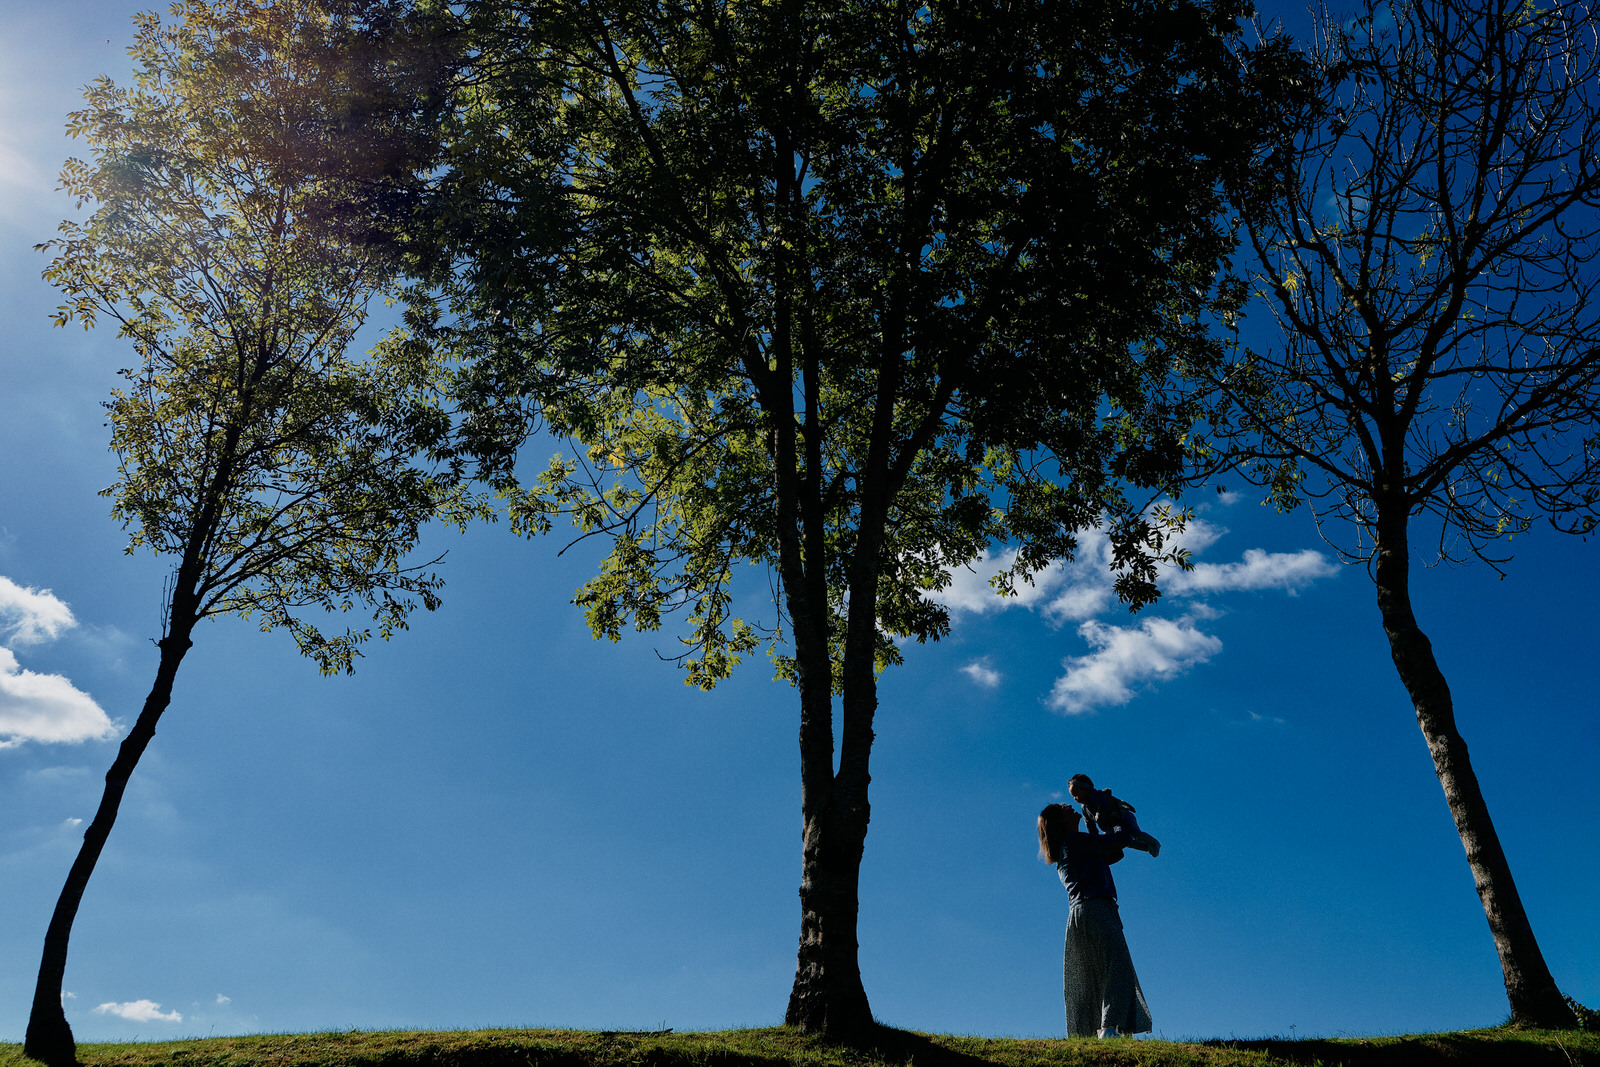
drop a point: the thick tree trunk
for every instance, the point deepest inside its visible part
(49, 1038)
(828, 996)
(1532, 992)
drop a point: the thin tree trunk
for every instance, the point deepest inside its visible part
(1532, 992)
(49, 1038)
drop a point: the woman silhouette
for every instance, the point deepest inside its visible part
(1098, 982)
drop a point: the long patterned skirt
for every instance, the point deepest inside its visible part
(1098, 980)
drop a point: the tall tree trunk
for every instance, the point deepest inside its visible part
(49, 1038)
(1532, 992)
(828, 996)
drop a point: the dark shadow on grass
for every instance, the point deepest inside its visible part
(1470, 1049)
(885, 1044)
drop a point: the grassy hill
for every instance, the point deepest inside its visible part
(777, 1046)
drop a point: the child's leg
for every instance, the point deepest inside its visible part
(1141, 840)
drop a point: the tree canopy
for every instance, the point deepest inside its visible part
(285, 477)
(845, 291)
(1432, 265)
(1432, 262)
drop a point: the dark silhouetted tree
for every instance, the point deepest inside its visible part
(1432, 262)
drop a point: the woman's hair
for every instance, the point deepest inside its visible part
(1056, 821)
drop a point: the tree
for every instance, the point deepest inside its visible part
(1431, 261)
(844, 291)
(279, 472)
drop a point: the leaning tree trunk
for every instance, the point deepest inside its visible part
(1534, 998)
(49, 1038)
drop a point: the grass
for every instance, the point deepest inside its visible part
(778, 1046)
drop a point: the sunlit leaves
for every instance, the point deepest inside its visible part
(841, 292)
(277, 468)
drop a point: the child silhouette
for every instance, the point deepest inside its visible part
(1104, 813)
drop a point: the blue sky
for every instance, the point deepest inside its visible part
(499, 821)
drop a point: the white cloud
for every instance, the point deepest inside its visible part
(28, 616)
(969, 588)
(139, 1011)
(72, 823)
(1081, 600)
(983, 674)
(1124, 656)
(1082, 590)
(1077, 589)
(1289, 571)
(1085, 585)
(1074, 589)
(224, 1000)
(1089, 586)
(45, 707)
(33, 706)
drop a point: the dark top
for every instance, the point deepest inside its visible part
(1101, 810)
(1085, 864)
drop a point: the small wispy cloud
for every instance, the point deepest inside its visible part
(29, 140)
(1124, 656)
(29, 616)
(223, 999)
(71, 823)
(139, 1011)
(981, 673)
(1289, 571)
(24, 186)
